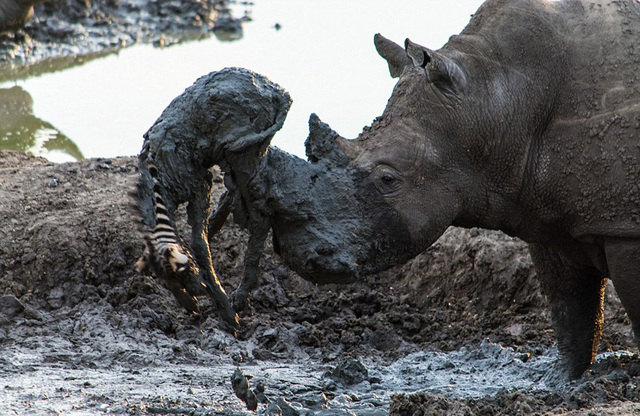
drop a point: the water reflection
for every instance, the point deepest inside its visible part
(22, 131)
(12, 71)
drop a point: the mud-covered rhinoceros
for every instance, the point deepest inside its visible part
(527, 122)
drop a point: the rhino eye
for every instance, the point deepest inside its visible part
(387, 180)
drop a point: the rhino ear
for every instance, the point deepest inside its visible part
(443, 72)
(394, 54)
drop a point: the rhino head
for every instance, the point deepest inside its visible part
(329, 223)
(361, 206)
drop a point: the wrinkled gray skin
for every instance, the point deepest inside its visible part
(14, 14)
(527, 122)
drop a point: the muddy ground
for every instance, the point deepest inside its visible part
(461, 329)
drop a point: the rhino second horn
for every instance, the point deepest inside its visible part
(321, 143)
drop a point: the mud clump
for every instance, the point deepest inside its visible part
(78, 322)
(349, 372)
(240, 384)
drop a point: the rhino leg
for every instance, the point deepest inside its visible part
(575, 294)
(623, 259)
(198, 218)
(219, 216)
(255, 247)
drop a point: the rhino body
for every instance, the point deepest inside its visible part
(527, 122)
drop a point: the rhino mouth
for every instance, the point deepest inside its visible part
(323, 270)
(320, 264)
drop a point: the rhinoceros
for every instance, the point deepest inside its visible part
(528, 122)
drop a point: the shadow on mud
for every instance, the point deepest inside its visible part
(22, 131)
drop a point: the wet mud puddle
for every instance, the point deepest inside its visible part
(33, 383)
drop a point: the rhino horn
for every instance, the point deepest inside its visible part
(322, 143)
(394, 54)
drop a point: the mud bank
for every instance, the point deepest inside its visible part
(461, 329)
(65, 33)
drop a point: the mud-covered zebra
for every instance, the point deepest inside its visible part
(185, 269)
(224, 115)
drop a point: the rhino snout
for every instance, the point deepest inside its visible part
(328, 264)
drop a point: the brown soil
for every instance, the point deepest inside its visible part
(69, 239)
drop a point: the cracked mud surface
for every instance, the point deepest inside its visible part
(461, 329)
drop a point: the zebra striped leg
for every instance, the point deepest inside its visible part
(164, 255)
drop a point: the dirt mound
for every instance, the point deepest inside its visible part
(68, 292)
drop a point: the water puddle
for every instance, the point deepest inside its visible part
(320, 51)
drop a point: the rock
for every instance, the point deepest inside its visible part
(240, 385)
(272, 410)
(286, 408)
(349, 372)
(10, 306)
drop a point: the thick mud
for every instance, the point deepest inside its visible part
(461, 329)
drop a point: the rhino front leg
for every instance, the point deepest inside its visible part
(623, 259)
(259, 230)
(198, 219)
(575, 294)
(219, 216)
